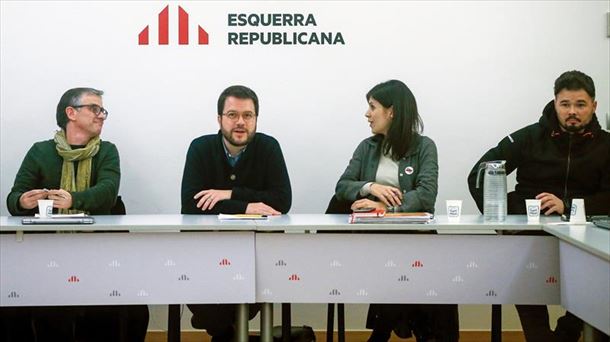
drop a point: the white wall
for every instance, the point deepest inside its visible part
(479, 70)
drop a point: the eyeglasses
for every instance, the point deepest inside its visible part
(234, 116)
(95, 109)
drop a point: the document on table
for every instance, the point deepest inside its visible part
(241, 217)
(380, 216)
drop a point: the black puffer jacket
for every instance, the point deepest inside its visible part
(548, 159)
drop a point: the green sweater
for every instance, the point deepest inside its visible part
(41, 168)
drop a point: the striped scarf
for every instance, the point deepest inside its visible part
(84, 157)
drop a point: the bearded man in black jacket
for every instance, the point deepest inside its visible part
(235, 171)
(565, 155)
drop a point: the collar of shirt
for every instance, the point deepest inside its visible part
(232, 159)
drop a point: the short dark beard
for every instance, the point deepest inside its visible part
(229, 138)
(573, 129)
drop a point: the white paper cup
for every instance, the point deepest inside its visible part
(532, 208)
(45, 208)
(577, 211)
(454, 210)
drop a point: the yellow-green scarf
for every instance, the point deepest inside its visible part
(84, 157)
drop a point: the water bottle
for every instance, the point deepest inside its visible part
(494, 190)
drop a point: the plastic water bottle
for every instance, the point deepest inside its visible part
(494, 190)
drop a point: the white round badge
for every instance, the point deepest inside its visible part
(409, 170)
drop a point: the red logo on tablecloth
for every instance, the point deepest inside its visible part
(551, 280)
(183, 29)
(73, 279)
(294, 277)
(417, 263)
(224, 262)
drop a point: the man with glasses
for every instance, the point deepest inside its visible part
(80, 173)
(236, 171)
(75, 169)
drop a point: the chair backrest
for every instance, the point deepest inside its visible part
(119, 207)
(335, 206)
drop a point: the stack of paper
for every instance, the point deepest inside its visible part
(380, 216)
(241, 217)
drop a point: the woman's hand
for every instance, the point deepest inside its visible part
(367, 203)
(389, 195)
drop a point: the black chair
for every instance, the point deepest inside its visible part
(335, 206)
(119, 207)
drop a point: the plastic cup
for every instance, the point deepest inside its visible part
(532, 208)
(45, 208)
(454, 210)
(577, 211)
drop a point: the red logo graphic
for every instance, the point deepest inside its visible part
(294, 277)
(225, 262)
(551, 280)
(417, 263)
(73, 279)
(183, 29)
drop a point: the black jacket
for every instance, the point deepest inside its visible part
(550, 160)
(260, 175)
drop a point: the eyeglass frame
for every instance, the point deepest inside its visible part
(247, 116)
(102, 110)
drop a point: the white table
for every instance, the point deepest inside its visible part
(140, 259)
(584, 262)
(198, 259)
(319, 222)
(455, 267)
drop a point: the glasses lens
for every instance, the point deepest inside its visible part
(234, 116)
(95, 109)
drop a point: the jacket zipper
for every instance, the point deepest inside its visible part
(565, 185)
